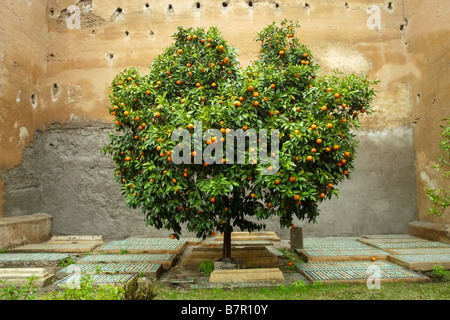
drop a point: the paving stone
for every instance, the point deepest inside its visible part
(166, 260)
(247, 275)
(32, 259)
(356, 272)
(149, 270)
(424, 262)
(237, 243)
(19, 277)
(73, 280)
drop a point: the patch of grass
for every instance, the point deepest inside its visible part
(66, 262)
(440, 273)
(301, 291)
(206, 267)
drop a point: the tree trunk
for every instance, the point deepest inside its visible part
(226, 254)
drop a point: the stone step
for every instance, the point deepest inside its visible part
(342, 254)
(149, 270)
(19, 277)
(246, 275)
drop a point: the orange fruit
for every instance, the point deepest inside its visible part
(172, 236)
(157, 114)
(292, 179)
(190, 126)
(319, 141)
(253, 195)
(309, 158)
(337, 95)
(373, 259)
(273, 86)
(277, 182)
(251, 88)
(324, 108)
(213, 200)
(296, 197)
(329, 126)
(322, 195)
(290, 264)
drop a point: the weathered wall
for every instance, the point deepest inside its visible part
(23, 50)
(427, 35)
(72, 180)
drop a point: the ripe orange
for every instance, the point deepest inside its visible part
(213, 200)
(319, 141)
(324, 108)
(256, 103)
(178, 82)
(296, 197)
(309, 158)
(213, 84)
(253, 195)
(335, 147)
(373, 259)
(190, 126)
(273, 86)
(347, 154)
(337, 95)
(290, 264)
(172, 236)
(322, 195)
(292, 179)
(157, 114)
(126, 113)
(277, 182)
(329, 126)
(251, 88)
(313, 127)
(281, 52)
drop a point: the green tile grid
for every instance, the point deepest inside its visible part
(97, 279)
(108, 258)
(90, 268)
(24, 257)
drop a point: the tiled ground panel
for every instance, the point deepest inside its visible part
(345, 265)
(343, 252)
(55, 247)
(390, 236)
(25, 257)
(434, 258)
(335, 243)
(410, 245)
(275, 251)
(122, 258)
(91, 268)
(140, 244)
(98, 279)
(354, 271)
(420, 251)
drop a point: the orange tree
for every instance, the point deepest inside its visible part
(197, 85)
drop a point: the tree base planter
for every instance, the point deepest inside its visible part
(247, 275)
(253, 256)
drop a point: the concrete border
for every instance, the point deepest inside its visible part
(22, 230)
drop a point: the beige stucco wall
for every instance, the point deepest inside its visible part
(69, 71)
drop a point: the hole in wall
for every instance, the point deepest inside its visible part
(127, 33)
(52, 12)
(118, 10)
(346, 5)
(170, 6)
(224, 4)
(197, 5)
(390, 7)
(147, 5)
(277, 5)
(307, 5)
(110, 56)
(151, 33)
(33, 100)
(55, 91)
(250, 3)
(93, 31)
